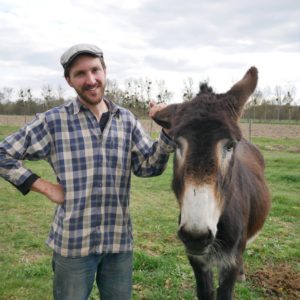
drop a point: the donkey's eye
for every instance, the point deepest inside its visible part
(229, 145)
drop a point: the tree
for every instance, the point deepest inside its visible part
(278, 99)
(256, 99)
(47, 94)
(163, 95)
(20, 105)
(289, 94)
(2, 97)
(113, 92)
(188, 90)
(60, 93)
(148, 89)
(146, 93)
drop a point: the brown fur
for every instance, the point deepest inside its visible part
(209, 123)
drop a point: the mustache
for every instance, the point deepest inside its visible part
(90, 86)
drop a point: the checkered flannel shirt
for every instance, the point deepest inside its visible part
(94, 168)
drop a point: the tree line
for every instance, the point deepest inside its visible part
(277, 104)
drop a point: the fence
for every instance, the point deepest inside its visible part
(272, 113)
(249, 128)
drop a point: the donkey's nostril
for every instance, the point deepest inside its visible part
(184, 234)
(194, 241)
(181, 230)
(210, 235)
(208, 238)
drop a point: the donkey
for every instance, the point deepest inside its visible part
(219, 183)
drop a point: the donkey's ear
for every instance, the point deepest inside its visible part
(164, 117)
(243, 89)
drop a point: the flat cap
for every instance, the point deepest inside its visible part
(78, 49)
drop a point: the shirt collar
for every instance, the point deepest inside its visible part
(78, 106)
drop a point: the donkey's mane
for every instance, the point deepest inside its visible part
(204, 88)
(206, 104)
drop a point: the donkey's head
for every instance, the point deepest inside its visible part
(206, 132)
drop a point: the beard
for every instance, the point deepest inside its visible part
(92, 100)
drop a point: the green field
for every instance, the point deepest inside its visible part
(161, 270)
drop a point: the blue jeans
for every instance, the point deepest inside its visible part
(74, 277)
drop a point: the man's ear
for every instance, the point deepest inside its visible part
(165, 116)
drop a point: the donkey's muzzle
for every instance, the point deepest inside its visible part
(195, 243)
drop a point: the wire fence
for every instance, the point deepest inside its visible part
(267, 113)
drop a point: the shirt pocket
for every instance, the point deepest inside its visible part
(118, 152)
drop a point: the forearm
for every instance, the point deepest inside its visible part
(41, 186)
(153, 161)
(32, 142)
(52, 191)
(15, 173)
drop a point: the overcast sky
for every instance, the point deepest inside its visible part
(158, 39)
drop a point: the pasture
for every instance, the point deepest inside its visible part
(161, 269)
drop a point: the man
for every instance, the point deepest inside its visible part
(92, 146)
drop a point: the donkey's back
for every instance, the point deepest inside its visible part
(250, 185)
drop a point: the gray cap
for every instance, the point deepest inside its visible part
(75, 50)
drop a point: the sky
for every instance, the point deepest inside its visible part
(210, 40)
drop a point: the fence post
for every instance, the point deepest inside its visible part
(250, 130)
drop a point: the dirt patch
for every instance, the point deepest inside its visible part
(277, 282)
(271, 130)
(15, 120)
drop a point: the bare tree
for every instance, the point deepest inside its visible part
(188, 90)
(21, 103)
(256, 99)
(289, 95)
(149, 88)
(60, 93)
(164, 95)
(278, 94)
(113, 91)
(130, 92)
(2, 97)
(146, 92)
(267, 92)
(47, 94)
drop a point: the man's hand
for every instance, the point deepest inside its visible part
(154, 108)
(53, 191)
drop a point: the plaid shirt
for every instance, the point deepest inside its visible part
(94, 168)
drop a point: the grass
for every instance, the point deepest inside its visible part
(161, 270)
(6, 130)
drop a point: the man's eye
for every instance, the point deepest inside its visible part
(79, 74)
(178, 145)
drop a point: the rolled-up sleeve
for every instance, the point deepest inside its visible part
(31, 142)
(150, 158)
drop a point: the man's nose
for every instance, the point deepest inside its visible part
(90, 79)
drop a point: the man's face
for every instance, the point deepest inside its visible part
(88, 78)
